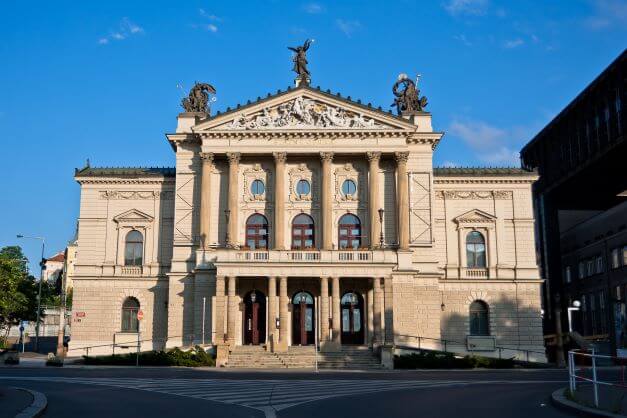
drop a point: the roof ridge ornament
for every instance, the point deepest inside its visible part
(300, 63)
(408, 98)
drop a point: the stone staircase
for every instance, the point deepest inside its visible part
(351, 358)
(302, 357)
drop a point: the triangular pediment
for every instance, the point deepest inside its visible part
(304, 108)
(133, 215)
(475, 216)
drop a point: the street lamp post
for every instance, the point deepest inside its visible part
(575, 307)
(381, 225)
(41, 278)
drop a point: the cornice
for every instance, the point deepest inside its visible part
(302, 134)
(123, 181)
(482, 180)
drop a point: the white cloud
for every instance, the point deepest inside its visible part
(608, 13)
(313, 8)
(466, 7)
(462, 38)
(513, 43)
(125, 29)
(209, 16)
(348, 27)
(491, 144)
(212, 28)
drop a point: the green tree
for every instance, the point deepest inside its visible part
(18, 292)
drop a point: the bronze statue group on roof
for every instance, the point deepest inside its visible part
(407, 96)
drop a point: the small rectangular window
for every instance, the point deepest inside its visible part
(582, 270)
(615, 258)
(590, 268)
(599, 265)
(567, 274)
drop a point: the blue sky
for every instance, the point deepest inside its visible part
(99, 80)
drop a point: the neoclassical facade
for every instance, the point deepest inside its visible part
(305, 218)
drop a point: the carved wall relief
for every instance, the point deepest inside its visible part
(262, 191)
(135, 195)
(474, 194)
(296, 174)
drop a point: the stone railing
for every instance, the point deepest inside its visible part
(131, 270)
(305, 256)
(470, 273)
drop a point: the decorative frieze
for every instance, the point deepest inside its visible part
(473, 194)
(303, 113)
(136, 195)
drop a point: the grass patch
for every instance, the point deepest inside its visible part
(441, 360)
(195, 357)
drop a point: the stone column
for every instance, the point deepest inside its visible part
(220, 309)
(272, 337)
(324, 311)
(279, 200)
(232, 312)
(205, 198)
(403, 200)
(326, 201)
(373, 198)
(376, 312)
(222, 352)
(234, 158)
(337, 330)
(283, 314)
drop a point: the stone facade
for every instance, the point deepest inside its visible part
(213, 271)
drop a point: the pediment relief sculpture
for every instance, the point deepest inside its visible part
(133, 216)
(300, 113)
(475, 216)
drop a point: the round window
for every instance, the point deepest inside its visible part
(349, 188)
(257, 188)
(303, 187)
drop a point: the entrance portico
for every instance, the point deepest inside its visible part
(330, 310)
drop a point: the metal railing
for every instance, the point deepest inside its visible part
(590, 374)
(449, 346)
(160, 343)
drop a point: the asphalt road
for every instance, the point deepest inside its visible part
(181, 392)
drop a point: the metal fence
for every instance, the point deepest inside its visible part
(598, 377)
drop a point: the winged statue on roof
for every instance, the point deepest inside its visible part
(198, 98)
(300, 60)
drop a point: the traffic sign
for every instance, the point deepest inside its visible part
(140, 315)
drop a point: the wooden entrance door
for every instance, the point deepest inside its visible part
(303, 319)
(254, 318)
(352, 305)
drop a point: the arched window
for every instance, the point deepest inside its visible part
(304, 297)
(349, 188)
(134, 249)
(349, 232)
(303, 188)
(130, 307)
(257, 187)
(479, 318)
(303, 232)
(257, 232)
(475, 250)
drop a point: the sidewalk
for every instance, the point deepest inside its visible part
(13, 401)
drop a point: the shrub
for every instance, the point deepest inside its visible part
(55, 362)
(195, 357)
(442, 360)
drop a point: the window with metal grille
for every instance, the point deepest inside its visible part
(130, 308)
(479, 318)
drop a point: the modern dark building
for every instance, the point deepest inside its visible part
(581, 208)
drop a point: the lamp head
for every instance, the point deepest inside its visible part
(576, 303)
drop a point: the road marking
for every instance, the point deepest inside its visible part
(268, 396)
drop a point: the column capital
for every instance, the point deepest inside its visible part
(233, 157)
(373, 156)
(401, 157)
(207, 157)
(280, 157)
(326, 156)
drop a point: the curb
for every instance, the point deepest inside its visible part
(39, 405)
(559, 400)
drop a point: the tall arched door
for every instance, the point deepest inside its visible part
(254, 318)
(303, 319)
(352, 305)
